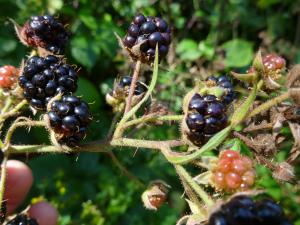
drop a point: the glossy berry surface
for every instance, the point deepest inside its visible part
(233, 172)
(22, 219)
(8, 76)
(69, 118)
(46, 32)
(224, 82)
(43, 78)
(149, 32)
(205, 117)
(273, 62)
(242, 210)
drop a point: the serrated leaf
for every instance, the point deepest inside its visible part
(239, 53)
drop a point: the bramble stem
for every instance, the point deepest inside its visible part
(8, 103)
(113, 124)
(265, 106)
(202, 194)
(124, 170)
(135, 76)
(119, 129)
(3, 178)
(13, 111)
(18, 124)
(152, 118)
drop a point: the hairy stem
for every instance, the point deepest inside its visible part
(119, 129)
(3, 179)
(135, 76)
(124, 170)
(152, 118)
(17, 124)
(265, 106)
(202, 194)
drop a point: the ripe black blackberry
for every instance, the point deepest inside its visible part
(206, 115)
(43, 78)
(148, 31)
(22, 219)
(69, 118)
(242, 210)
(224, 82)
(45, 32)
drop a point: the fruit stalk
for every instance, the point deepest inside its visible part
(135, 76)
(3, 178)
(269, 104)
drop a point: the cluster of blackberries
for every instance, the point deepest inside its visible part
(69, 118)
(223, 82)
(22, 219)
(149, 32)
(205, 117)
(46, 32)
(242, 210)
(43, 78)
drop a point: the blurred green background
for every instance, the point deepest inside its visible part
(210, 36)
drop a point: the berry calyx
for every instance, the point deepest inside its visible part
(45, 32)
(69, 119)
(242, 210)
(225, 83)
(8, 76)
(148, 32)
(43, 78)
(22, 219)
(233, 172)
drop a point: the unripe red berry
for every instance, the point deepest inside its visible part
(8, 76)
(233, 172)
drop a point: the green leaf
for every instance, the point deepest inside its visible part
(85, 51)
(239, 53)
(89, 93)
(206, 49)
(7, 46)
(188, 50)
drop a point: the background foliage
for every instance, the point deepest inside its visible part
(209, 37)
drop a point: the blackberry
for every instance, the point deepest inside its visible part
(148, 31)
(224, 82)
(46, 32)
(69, 118)
(43, 78)
(22, 219)
(205, 117)
(242, 210)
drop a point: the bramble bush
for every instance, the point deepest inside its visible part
(189, 111)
